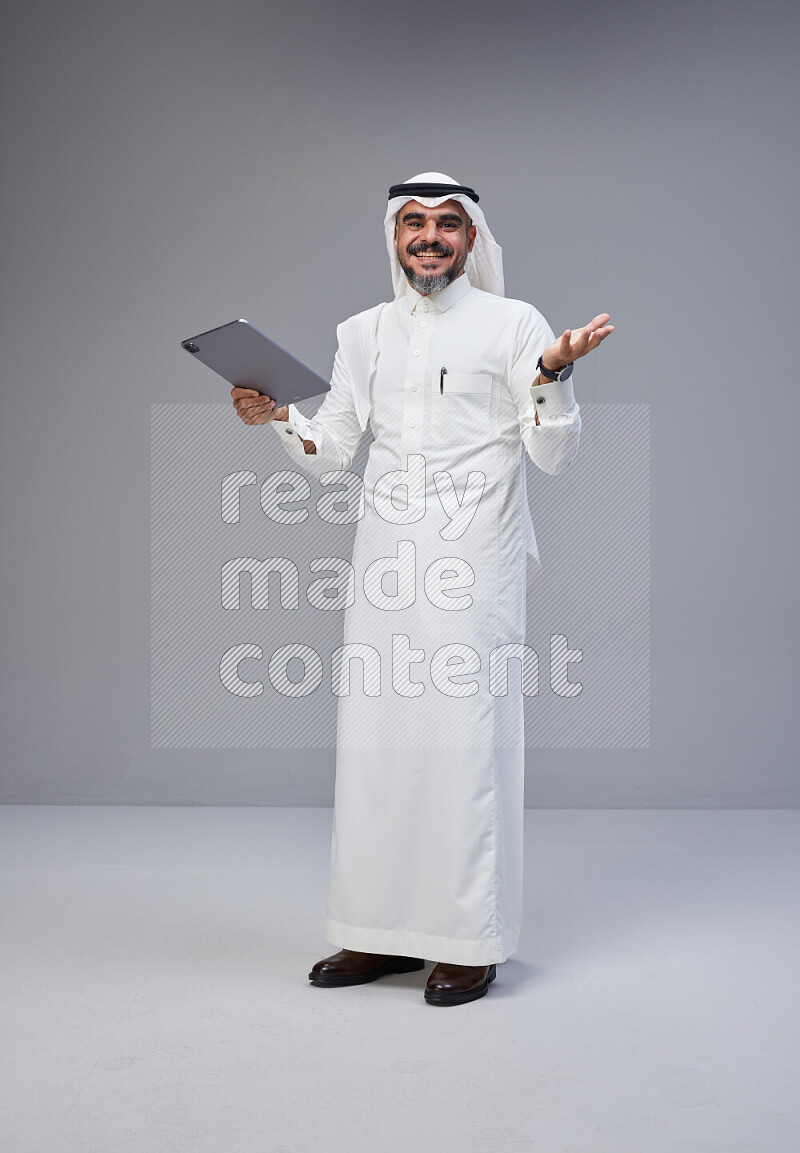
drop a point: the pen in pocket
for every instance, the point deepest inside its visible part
(442, 374)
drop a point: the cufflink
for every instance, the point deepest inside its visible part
(558, 395)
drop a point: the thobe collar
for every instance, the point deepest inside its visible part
(441, 301)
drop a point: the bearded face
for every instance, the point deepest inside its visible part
(432, 244)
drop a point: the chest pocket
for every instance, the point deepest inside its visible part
(461, 413)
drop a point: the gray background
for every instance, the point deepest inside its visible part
(169, 167)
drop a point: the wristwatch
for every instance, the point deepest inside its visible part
(554, 374)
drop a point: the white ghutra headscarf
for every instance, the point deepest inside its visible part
(484, 266)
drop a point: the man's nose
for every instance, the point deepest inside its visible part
(431, 231)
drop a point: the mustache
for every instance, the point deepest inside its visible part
(437, 249)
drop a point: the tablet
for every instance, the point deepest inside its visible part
(245, 357)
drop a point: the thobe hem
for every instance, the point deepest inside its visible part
(403, 943)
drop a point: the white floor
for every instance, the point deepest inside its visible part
(155, 999)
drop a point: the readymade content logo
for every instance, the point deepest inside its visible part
(398, 497)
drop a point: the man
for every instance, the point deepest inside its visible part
(454, 381)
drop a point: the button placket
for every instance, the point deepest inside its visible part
(414, 393)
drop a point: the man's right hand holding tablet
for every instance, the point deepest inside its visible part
(255, 408)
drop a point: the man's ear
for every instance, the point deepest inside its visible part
(472, 232)
(395, 235)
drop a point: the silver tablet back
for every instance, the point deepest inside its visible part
(243, 356)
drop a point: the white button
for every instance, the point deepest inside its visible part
(413, 387)
(413, 423)
(426, 308)
(417, 352)
(424, 324)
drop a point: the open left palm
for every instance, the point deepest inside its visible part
(576, 342)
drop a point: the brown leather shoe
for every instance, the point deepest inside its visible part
(348, 967)
(457, 984)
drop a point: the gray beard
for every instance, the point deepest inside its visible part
(426, 285)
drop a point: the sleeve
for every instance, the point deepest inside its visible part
(553, 442)
(335, 428)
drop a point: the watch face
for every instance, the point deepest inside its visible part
(566, 372)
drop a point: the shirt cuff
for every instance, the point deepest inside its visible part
(552, 404)
(291, 438)
(301, 424)
(553, 397)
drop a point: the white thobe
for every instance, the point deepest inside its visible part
(426, 855)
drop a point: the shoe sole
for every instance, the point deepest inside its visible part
(441, 998)
(396, 965)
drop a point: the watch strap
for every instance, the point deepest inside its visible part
(554, 374)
